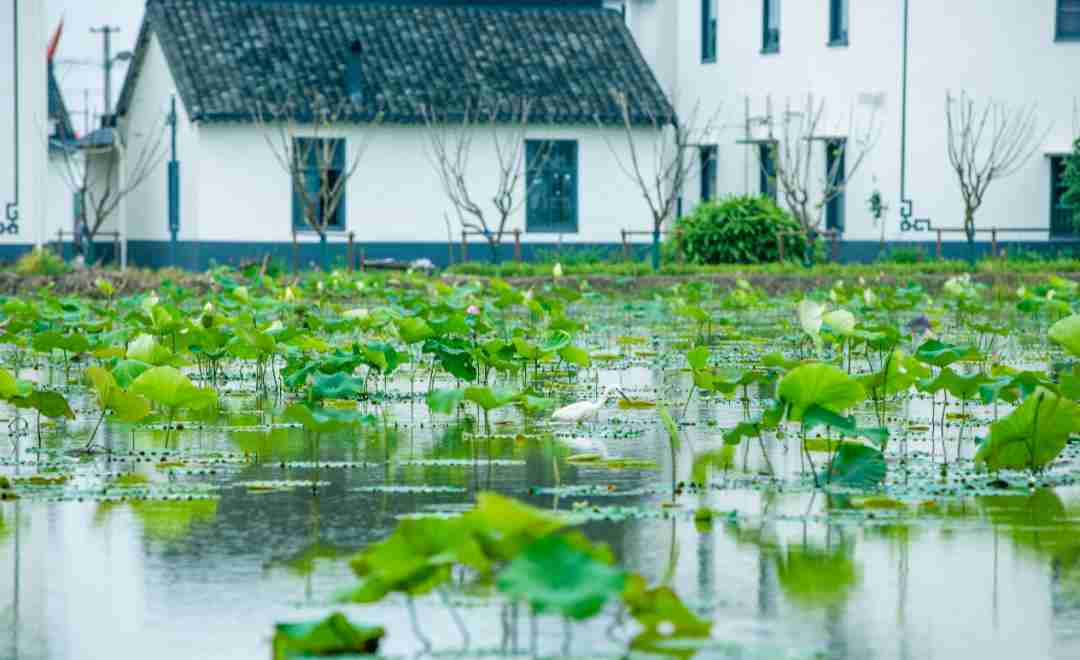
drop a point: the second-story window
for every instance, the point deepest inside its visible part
(708, 30)
(1068, 20)
(770, 41)
(838, 22)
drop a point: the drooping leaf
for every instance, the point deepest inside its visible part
(554, 576)
(445, 401)
(488, 398)
(856, 466)
(338, 385)
(1032, 435)
(818, 384)
(167, 387)
(576, 355)
(1066, 333)
(941, 354)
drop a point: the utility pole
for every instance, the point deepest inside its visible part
(106, 32)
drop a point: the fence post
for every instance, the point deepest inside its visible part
(116, 247)
(350, 254)
(993, 243)
(780, 245)
(295, 255)
(464, 246)
(939, 245)
(625, 245)
(517, 245)
(363, 260)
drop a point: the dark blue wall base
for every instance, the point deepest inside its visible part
(200, 255)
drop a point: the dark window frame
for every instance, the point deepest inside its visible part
(839, 23)
(770, 38)
(311, 174)
(835, 208)
(767, 182)
(1061, 216)
(707, 156)
(709, 38)
(1072, 8)
(538, 211)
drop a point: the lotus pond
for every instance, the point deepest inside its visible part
(350, 464)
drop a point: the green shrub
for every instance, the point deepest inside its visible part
(40, 261)
(903, 255)
(738, 230)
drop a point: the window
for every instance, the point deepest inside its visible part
(1061, 216)
(770, 42)
(767, 178)
(838, 22)
(836, 170)
(551, 168)
(1068, 20)
(708, 30)
(707, 156)
(319, 156)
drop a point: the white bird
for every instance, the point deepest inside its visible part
(584, 410)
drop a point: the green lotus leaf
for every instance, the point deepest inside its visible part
(1032, 435)
(698, 358)
(413, 330)
(323, 420)
(50, 340)
(818, 384)
(168, 387)
(335, 635)
(126, 371)
(445, 401)
(856, 466)
(576, 355)
(1066, 333)
(554, 576)
(488, 398)
(941, 354)
(336, 386)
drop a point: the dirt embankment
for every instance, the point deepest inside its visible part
(133, 281)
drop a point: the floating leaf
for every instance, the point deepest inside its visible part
(334, 635)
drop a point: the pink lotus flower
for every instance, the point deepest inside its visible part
(473, 310)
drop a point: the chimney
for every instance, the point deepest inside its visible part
(354, 83)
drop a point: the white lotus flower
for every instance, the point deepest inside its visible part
(353, 314)
(869, 298)
(556, 272)
(810, 317)
(841, 321)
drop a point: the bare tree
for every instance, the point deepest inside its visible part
(986, 144)
(305, 135)
(450, 143)
(655, 158)
(93, 172)
(807, 190)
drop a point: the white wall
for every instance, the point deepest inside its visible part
(1006, 52)
(59, 204)
(31, 133)
(395, 194)
(147, 206)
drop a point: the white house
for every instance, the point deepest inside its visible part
(890, 59)
(224, 59)
(23, 125)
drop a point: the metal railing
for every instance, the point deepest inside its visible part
(62, 233)
(993, 231)
(465, 234)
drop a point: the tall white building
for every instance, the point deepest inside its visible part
(889, 60)
(24, 125)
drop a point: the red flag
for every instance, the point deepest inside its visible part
(55, 41)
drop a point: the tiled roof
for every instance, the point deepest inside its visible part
(568, 57)
(58, 110)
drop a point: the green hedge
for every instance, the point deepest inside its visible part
(738, 230)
